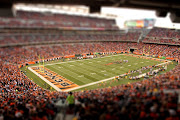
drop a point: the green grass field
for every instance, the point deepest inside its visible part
(111, 83)
(87, 71)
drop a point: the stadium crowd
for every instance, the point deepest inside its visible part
(18, 55)
(163, 35)
(159, 50)
(37, 38)
(161, 40)
(129, 36)
(52, 20)
(142, 100)
(21, 98)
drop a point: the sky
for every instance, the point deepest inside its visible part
(134, 14)
(122, 14)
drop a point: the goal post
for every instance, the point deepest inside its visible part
(41, 64)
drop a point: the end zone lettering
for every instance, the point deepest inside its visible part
(56, 79)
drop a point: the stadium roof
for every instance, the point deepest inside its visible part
(162, 7)
(169, 9)
(120, 14)
(63, 9)
(166, 5)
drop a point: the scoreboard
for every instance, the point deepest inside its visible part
(145, 23)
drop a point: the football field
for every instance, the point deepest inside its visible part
(90, 71)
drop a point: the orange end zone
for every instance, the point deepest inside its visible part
(56, 79)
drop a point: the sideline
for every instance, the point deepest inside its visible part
(103, 80)
(81, 60)
(89, 84)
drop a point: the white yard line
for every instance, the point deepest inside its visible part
(81, 76)
(92, 73)
(81, 60)
(68, 74)
(89, 84)
(162, 63)
(102, 80)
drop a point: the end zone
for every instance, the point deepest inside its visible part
(57, 81)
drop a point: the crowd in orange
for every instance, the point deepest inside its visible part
(18, 55)
(164, 32)
(159, 50)
(21, 98)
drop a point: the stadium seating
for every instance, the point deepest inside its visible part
(35, 38)
(37, 19)
(163, 32)
(163, 35)
(21, 98)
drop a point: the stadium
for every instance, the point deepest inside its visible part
(58, 65)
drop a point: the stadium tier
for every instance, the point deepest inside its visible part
(38, 38)
(18, 55)
(64, 21)
(163, 35)
(90, 35)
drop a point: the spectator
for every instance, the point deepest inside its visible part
(70, 100)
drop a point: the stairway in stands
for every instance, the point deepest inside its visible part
(144, 33)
